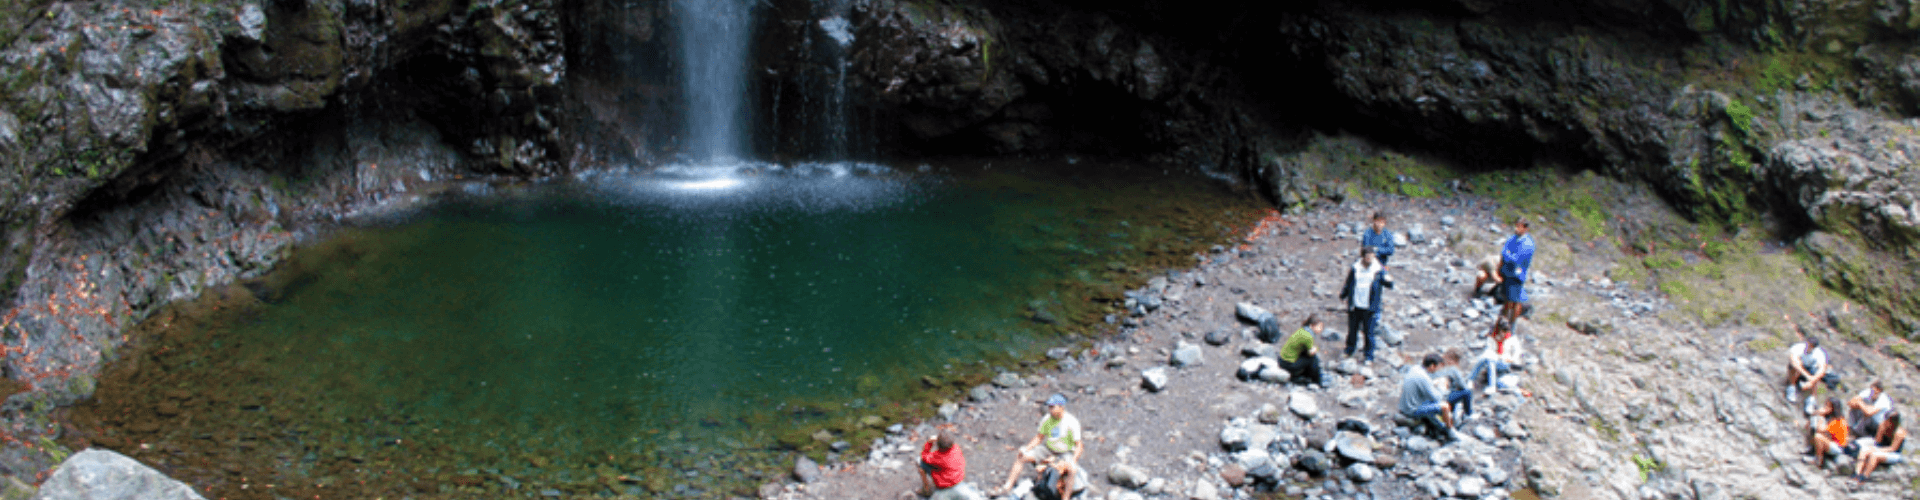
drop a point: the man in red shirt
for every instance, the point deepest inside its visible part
(942, 465)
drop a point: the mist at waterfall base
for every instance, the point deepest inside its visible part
(680, 331)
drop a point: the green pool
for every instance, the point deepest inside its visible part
(672, 332)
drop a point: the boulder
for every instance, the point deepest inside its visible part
(1233, 438)
(1253, 368)
(1303, 404)
(1204, 491)
(1354, 447)
(1127, 476)
(1234, 475)
(1362, 473)
(1314, 462)
(1592, 326)
(962, 491)
(1268, 414)
(1392, 336)
(98, 474)
(1185, 355)
(1268, 474)
(1009, 380)
(805, 470)
(1219, 337)
(1260, 351)
(1154, 379)
(1496, 476)
(1260, 437)
(1252, 458)
(980, 393)
(1275, 376)
(1250, 313)
(1470, 487)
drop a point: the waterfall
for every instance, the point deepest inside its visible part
(714, 35)
(838, 30)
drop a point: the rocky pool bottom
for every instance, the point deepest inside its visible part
(304, 384)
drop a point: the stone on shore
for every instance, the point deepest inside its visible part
(1253, 368)
(1009, 380)
(805, 470)
(1204, 491)
(1185, 355)
(1303, 404)
(1269, 414)
(1154, 379)
(104, 475)
(1250, 313)
(1127, 476)
(1470, 487)
(1219, 337)
(962, 491)
(1362, 473)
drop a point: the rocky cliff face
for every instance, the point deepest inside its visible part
(149, 151)
(1780, 112)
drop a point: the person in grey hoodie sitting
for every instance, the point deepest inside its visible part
(1362, 294)
(1419, 402)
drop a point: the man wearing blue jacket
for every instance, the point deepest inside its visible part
(1379, 239)
(1516, 262)
(1365, 280)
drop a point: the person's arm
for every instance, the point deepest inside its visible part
(1386, 245)
(1794, 363)
(1815, 378)
(1031, 444)
(1346, 290)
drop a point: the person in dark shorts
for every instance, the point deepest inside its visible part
(1516, 263)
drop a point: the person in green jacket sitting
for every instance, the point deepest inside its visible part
(1298, 356)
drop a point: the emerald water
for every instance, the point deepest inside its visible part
(645, 334)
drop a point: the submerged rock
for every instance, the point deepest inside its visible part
(97, 474)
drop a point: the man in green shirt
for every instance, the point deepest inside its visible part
(1298, 356)
(1058, 444)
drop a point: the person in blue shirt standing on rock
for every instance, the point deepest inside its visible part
(1516, 261)
(1379, 239)
(1365, 280)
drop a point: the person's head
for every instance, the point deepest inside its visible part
(1452, 357)
(1502, 329)
(1379, 221)
(1057, 405)
(1832, 405)
(1813, 342)
(1874, 386)
(1520, 225)
(1366, 255)
(1430, 362)
(1892, 426)
(944, 442)
(1313, 323)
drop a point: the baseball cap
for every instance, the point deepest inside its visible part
(1057, 400)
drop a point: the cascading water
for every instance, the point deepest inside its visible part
(840, 32)
(713, 46)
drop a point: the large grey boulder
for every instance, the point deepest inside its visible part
(97, 474)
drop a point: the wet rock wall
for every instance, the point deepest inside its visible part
(150, 151)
